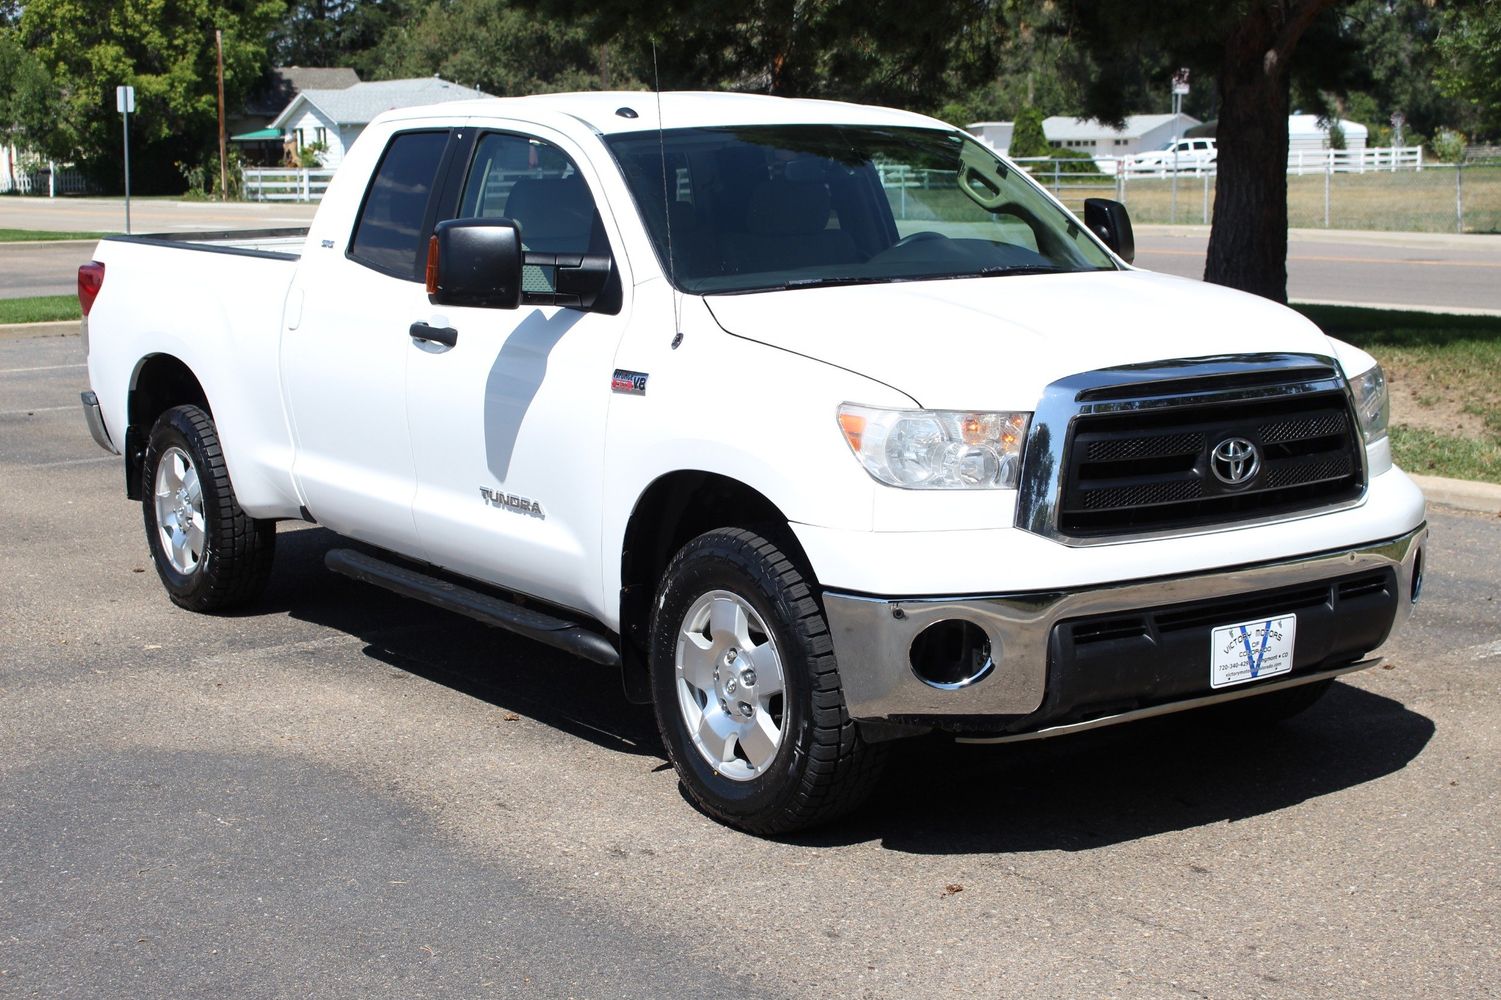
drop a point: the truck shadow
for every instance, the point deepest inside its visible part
(1110, 786)
(491, 665)
(1072, 794)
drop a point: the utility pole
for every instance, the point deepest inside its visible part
(1180, 88)
(223, 175)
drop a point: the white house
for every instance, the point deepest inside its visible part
(1310, 134)
(335, 118)
(1085, 135)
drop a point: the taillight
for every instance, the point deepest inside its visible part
(90, 280)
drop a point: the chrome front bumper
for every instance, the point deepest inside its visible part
(872, 635)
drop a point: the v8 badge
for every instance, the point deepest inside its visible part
(628, 382)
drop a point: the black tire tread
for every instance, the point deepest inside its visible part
(842, 767)
(242, 547)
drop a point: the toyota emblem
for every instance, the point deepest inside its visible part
(1235, 461)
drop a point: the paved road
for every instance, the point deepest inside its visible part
(342, 794)
(1422, 270)
(52, 269)
(28, 269)
(1416, 269)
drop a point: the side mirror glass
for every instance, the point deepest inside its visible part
(475, 262)
(1110, 221)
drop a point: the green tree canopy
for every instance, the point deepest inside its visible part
(1027, 136)
(341, 32)
(28, 98)
(1470, 46)
(497, 47)
(165, 49)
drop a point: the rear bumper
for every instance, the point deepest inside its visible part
(1147, 645)
(94, 417)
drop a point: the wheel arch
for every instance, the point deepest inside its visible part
(159, 382)
(673, 509)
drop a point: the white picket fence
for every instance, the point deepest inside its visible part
(284, 183)
(49, 180)
(1355, 161)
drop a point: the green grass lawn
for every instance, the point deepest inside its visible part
(40, 309)
(44, 235)
(1444, 374)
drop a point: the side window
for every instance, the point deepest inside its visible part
(536, 184)
(389, 228)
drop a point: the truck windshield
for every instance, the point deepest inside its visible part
(795, 206)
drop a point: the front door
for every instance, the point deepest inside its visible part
(508, 423)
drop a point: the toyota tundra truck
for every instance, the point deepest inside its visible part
(821, 424)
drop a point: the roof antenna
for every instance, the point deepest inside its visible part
(672, 267)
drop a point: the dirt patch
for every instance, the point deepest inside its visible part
(1420, 400)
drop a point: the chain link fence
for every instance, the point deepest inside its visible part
(1438, 198)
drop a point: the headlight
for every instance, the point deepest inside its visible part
(937, 449)
(1372, 405)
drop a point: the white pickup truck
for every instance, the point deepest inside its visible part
(820, 423)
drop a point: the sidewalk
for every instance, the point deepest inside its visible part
(148, 215)
(1379, 237)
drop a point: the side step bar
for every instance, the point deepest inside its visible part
(570, 637)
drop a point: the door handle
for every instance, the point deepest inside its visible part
(445, 335)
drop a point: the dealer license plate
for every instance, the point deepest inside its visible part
(1250, 651)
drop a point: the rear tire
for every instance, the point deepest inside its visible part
(209, 553)
(747, 693)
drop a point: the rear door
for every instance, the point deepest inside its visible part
(508, 423)
(347, 346)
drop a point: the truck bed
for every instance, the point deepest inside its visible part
(279, 244)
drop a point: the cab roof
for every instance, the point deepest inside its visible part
(623, 111)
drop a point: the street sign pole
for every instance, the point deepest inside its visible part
(1180, 87)
(125, 103)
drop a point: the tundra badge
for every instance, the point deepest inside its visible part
(514, 504)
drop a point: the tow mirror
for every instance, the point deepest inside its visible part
(475, 262)
(478, 262)
(1110, 221)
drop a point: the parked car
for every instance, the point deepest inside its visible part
(820, 425)
(1196, 155)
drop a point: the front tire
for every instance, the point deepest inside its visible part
(209, 553)
(747, 693)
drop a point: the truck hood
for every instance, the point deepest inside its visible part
(994, 343)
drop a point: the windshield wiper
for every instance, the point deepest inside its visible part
(994, 270)
(831, 282)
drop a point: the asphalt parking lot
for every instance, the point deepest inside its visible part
(338, 793)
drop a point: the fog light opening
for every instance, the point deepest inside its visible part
(952, 654)
(1417, 576)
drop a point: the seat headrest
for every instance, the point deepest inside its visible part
(556, 213)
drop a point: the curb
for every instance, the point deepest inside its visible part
(1483, 498)
(60, 328)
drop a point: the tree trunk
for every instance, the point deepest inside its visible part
(1248, 241)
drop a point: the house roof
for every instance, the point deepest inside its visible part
(358, 104)
(1062, 127)
(1314, 125)
(282, 83)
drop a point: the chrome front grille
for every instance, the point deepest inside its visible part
(1123, 453)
